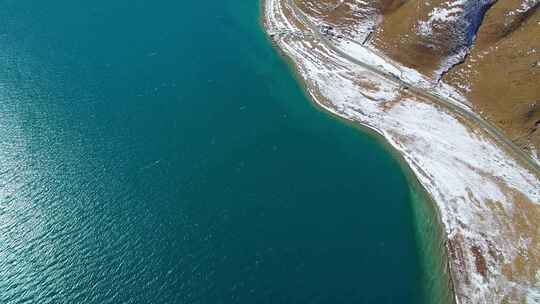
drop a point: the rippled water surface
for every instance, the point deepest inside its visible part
(161, 152)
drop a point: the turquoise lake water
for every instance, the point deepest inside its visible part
(162, 152)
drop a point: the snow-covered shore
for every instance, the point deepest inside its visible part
(488, 200)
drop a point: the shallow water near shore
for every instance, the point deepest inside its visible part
(162, 152)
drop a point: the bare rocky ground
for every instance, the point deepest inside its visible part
(501, 76)
(487, 52)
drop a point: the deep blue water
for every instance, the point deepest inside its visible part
(162, 152)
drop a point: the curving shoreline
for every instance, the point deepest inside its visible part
(484, 265)
(437, 241)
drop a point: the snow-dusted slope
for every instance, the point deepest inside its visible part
(431, 36)
(488, 50)
(501, 76)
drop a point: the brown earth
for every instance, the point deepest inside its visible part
(399, 37)
(501, 76)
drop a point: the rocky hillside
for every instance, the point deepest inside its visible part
(488, 50)
(501, 76)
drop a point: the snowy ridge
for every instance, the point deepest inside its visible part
(525, 6)
(476, 185)
(449, 12)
